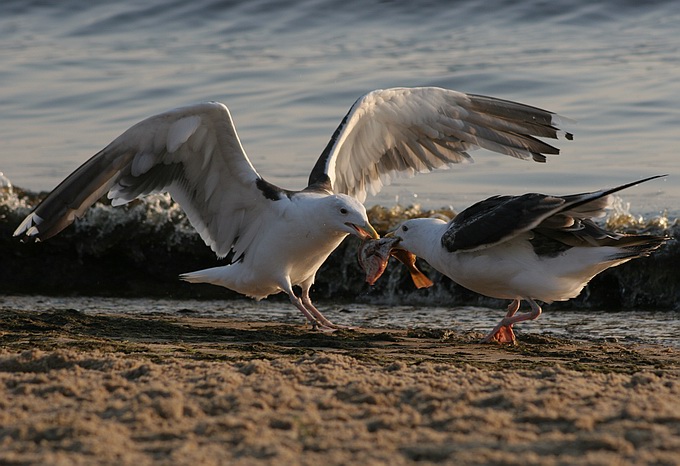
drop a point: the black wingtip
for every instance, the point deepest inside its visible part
(540, 158)
(635, 183)
(606, 192)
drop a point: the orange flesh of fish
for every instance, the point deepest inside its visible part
(407, 258)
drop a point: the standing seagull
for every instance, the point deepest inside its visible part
(531, 247)
(276, 238)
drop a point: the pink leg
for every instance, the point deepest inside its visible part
(320, 318)
(298, 303)
(502, 332)
(304, 304)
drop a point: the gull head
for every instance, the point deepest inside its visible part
(416, 234)
(345, 214)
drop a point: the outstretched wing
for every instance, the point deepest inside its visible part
(404, 131)
(193, 153)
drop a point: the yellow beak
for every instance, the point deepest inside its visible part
(367, 231)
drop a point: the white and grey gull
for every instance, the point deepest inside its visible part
(533, 247)
(276, 239)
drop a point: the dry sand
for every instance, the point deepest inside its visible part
(112, 389)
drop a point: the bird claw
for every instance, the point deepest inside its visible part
(324, 329)
(329, 327)
(344, 327)
(503, 334)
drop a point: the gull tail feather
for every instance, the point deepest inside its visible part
(634, 246)
(214, 275)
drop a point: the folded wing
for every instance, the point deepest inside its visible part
(501, 218)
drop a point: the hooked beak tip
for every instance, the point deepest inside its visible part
(392, 234)
(370, 231)
(366, 232)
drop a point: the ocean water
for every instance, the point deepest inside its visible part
(75, 74)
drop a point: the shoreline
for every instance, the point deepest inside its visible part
(121, 389)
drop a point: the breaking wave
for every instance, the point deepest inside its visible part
(138, 250)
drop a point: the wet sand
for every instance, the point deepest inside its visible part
(114, 389)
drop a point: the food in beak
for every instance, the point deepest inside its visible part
(375, 254)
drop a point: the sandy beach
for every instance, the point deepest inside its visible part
(115, 389)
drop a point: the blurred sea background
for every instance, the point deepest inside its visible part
(75, 74)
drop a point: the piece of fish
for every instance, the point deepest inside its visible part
(375, 254)
(407, 258)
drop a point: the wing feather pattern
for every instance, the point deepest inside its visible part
(193, 153)
(400, 132)
(501, 218)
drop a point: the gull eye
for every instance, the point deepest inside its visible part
(404, 228)
(343, 211)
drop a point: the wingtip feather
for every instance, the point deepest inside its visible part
(28, 228)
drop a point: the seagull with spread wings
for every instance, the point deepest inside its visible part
(276, 239)
(529, 247)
